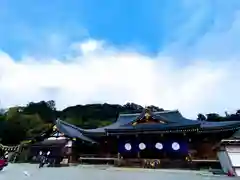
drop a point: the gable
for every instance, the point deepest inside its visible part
(127, 118)
(148, 118)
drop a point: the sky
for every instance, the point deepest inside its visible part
(178, 54)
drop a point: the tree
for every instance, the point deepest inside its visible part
(201, 117)
(46, 110)
(238, 112)
(226, 114)
(13, 112)
(2, 125)
(214, 117)
(52, 105)
(17, 126)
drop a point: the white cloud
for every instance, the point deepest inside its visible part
(102, 73)
(93, 71)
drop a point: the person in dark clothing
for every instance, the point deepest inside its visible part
(43, 158)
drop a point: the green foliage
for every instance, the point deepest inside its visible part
(201, 117)
(21, 123)
(46, 110)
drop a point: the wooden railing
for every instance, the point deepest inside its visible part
(97, 156)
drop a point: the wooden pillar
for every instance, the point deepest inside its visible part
(69, 151)
(118, 163)
(70, 159)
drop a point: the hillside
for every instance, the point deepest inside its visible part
(20, 123)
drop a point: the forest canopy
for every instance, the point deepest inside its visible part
(24, 122)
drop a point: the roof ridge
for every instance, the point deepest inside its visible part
(70, 125)
(156, 112)
(133, 114)
(165, 111)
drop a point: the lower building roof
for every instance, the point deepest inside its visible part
(72, 131)
(47, 142)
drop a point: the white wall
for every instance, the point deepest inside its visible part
(235, 158)
(224, 161)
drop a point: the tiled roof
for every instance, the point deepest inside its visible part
(173, 119)
(72, 131)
